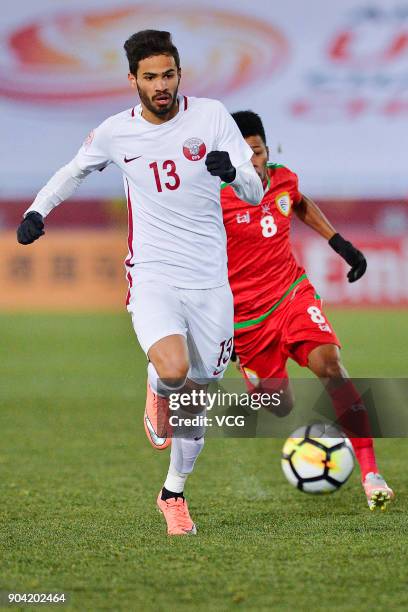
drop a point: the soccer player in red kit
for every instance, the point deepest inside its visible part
(278, 313)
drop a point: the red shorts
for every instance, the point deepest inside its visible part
(293, 330)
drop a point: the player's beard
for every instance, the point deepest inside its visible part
(149, 104)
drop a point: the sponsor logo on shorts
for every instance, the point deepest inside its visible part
(194, 149)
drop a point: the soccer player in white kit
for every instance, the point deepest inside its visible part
(173, 151)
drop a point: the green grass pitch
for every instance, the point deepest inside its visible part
(78, 483)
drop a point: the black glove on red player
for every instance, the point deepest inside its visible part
(351, 255)
(31, 228)
(219, 164)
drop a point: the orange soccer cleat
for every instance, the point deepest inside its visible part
(156, 420)
(178, 519)
(377, 491)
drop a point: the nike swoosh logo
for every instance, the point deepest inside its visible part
(156, 439)
(130, 159)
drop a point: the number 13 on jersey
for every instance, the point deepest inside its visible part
(167, 171)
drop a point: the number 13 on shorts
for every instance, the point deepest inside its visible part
(224, 355)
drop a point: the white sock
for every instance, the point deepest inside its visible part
(175, 480)
(158, 386)
(184, 452)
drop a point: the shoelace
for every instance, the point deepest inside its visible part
(179, 510)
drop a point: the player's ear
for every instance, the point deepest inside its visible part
(132, 80)
(179, 74)
(267, 151)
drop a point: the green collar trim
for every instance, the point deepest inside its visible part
(272, 165)
(268, 184)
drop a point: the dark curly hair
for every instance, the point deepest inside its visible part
(147, 43)
(250, 124)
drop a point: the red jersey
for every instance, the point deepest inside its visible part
(261, 265)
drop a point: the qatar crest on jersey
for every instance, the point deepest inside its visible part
(283, 203)
(194, 149)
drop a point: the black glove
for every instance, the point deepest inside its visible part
(233, 355)
(349, 253)
(31, 228)
(219, 164)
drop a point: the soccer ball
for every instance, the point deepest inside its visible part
(317, 459)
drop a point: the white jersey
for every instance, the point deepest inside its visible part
(176, 231)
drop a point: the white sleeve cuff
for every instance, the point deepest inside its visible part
(247, 184)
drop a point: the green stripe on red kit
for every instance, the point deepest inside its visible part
(250, 322)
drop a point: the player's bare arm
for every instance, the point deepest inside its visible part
(310, 214)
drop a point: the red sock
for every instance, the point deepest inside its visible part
(352, 418)
(365, 455)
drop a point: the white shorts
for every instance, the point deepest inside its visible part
(205, 317)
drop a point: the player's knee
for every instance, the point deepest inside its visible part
(280, 402)
(331, 368)
(325, 362)
(173, 371)
(282, 406)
